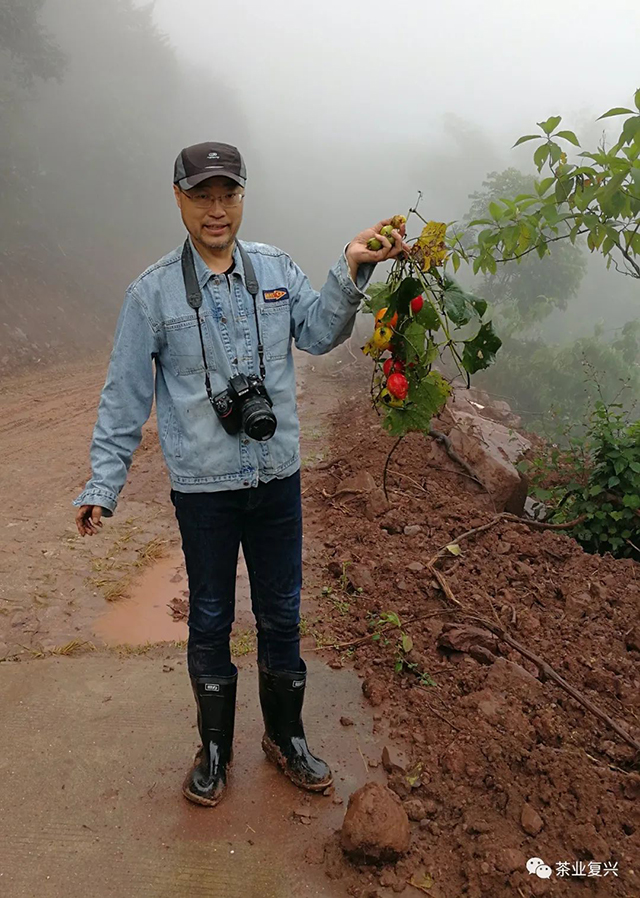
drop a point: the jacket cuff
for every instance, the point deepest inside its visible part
(354, 292)
(107, 501)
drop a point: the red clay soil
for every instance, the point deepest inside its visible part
(495, 763)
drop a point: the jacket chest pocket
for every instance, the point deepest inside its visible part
(275, 325)
(183, 344)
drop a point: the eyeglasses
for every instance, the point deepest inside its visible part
(204, 200)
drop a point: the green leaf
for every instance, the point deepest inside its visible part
(544, 185)
(428, 316)
(414, 337)
(379, 294)
(551, 124)
(454, 548)
(637, 99)
(480, 351)
(631, 129)
(541, 155)
(617, 110)
(495, 211)
(456, 303)
(455, 258)
(526, 138)
(568, 135)
(407, 643)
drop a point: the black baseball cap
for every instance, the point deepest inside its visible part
(208, 160)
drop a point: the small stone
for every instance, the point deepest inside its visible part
(632, 640)
(508, 860)
(346, 721)
(412, 529)
(530, 820)
(416, 566)
(393, 760)
(314, 853)
(360, 578)
(415, 809)
(338, 800)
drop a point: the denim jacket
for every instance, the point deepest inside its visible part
(156, 325)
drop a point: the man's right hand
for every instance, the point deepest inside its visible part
(88, 519)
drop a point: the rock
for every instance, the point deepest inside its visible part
(632, 640)
(374, 692)
(415, 809)
(461, 639)
(412, 529)
(508, 860)
(346, 721)
(492, 450)
(530, 820)
(393, 760)
(482, 655)
(362, 482)
(377, 505)
(416, 566)
(360, 578)
(376, 826)
(314, 853)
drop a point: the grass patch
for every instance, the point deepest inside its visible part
(244, 643)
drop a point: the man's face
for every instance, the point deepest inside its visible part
(213, 224)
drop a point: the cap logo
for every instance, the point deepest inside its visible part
(213, 155)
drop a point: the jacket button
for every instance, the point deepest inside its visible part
(223, 320)
(245, 483)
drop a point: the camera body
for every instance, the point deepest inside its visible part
(246, 405)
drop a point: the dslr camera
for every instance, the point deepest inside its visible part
(245, 405)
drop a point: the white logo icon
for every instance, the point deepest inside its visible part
(211, 687)
(213, 156)
(537, 865)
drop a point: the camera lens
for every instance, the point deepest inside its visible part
(258, 421)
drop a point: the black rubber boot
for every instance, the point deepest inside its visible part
(284, 742)
(216, 700)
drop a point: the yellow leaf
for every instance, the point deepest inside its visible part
(454, 548)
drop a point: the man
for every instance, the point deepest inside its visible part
(190, 327)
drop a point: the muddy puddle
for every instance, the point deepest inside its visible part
(146, 616)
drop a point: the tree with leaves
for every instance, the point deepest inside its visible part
(526, 294)
(596, 194)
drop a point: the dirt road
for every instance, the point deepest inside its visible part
(101, 722)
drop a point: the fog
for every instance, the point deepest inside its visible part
(343, 111)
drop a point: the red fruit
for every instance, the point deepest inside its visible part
(392, 365)
(417, 304)
(398, 385)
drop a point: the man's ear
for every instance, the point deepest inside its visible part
(176, 193)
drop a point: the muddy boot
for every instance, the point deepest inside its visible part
(284, 742)
(216, 701)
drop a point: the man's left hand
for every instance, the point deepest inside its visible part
(358, 252)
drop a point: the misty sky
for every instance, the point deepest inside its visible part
(353, 106)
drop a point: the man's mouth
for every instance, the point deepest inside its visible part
(216, 230)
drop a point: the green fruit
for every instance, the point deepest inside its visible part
(386, 230)
(374, 244)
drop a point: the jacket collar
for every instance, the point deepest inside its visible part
(203, 272)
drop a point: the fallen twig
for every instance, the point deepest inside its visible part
(438, 714)
(553, 675)
(513, 518)
(442, 438)
(386, 464)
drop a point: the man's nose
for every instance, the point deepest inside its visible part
(217, 209)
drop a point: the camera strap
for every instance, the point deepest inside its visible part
(194, 298)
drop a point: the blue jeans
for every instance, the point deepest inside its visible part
(267, 521)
